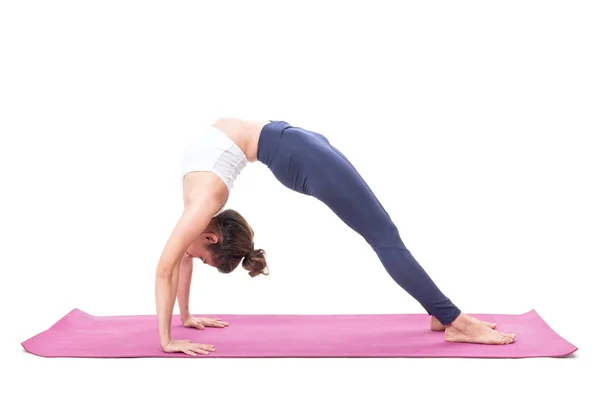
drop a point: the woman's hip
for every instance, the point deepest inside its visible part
(279, 140)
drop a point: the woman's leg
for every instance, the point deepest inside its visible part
(306, 162)
(347, 194)
(436, 324)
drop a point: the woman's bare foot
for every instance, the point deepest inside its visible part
(436, 325)
(467, 329)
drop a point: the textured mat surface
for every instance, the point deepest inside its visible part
(79, 334)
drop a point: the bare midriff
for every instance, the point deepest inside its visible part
(244, 133)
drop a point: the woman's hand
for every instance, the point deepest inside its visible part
(187, 347)
(200, 323)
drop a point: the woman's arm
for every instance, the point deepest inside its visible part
(195, 218)
(183, 290)
(183, 296)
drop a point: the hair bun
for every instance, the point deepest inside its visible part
(255, 263)
(255, 253)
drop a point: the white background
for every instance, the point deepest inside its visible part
(473, 122)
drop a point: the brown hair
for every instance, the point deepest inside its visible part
(236, 242)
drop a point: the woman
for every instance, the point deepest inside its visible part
(305, 162)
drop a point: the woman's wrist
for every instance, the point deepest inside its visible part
(164, 343)
(184, 315)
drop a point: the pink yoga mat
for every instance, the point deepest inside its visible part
(79, 334)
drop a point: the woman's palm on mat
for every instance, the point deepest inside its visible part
(187, 347)
(200, 323)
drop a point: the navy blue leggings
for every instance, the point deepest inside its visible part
(306, 162)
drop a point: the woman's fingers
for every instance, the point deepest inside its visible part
(214, 322)
(198, 325)
(207, 347)
(189, 352)
(203, 348)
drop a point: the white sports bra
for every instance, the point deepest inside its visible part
(212, 150)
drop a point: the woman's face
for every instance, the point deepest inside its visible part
(199, 248)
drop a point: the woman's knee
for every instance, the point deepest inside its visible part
(383, 233)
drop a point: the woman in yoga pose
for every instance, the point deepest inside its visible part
(305, 162)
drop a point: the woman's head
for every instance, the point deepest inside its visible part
(235, 243)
